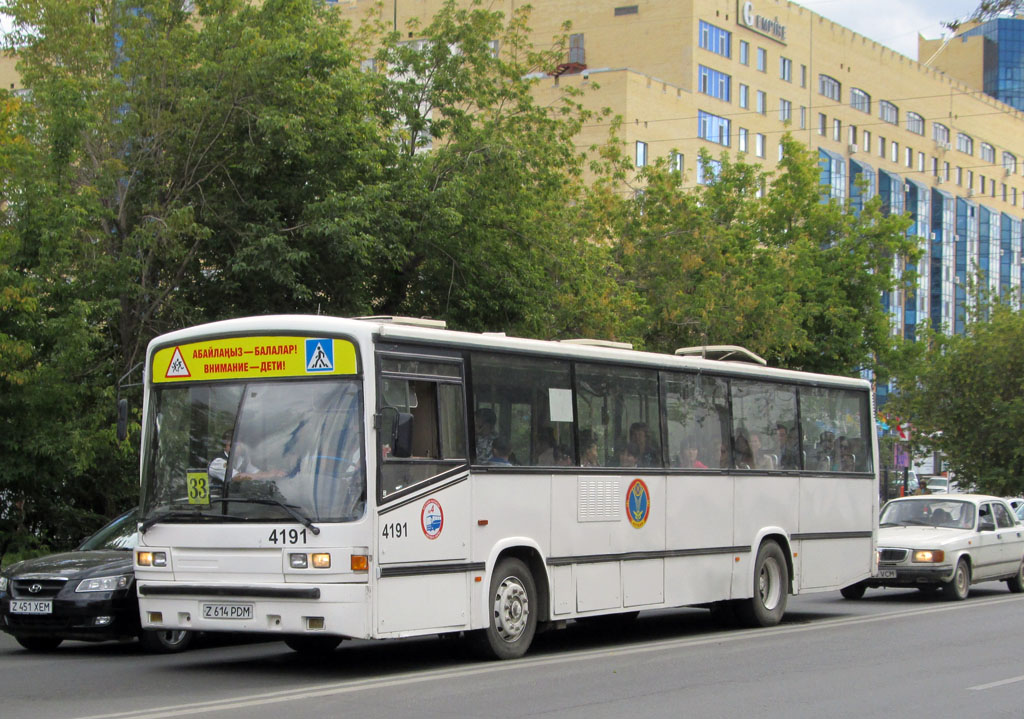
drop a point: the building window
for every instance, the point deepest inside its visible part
(988, 153)
(744, 52)
(627, 10)
(895, 156)
(641, 153)
(908, 156)
(945, 171)
(866, 137)
(829, 87)
(837, 130)
(708, 171)
(803, 117)
(920, 162)
(970, 179)
(782, 151)
(888, 112)
(744, 96)
(881, 147)
(676, 161)
(742, 139)
(762, 103)
(960, 176)
(940, 133)
(785, 69)
(712, 128)
(762, 59)
(822, 124)
(715, 39)
(803, 76)
(964, 143)
(577, 54)
(759, 145)
(714, 83)
(785, 111)
(1005, 193)
(935, 166)
(860, 100)
(915, 123)
(852, 134)
(1009, 163)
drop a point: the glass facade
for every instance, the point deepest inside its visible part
(1004, 59)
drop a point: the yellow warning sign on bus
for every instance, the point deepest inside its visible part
(254, 358)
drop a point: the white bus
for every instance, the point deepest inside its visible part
(320, 478)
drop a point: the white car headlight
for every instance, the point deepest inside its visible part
(105, 584)
(3, 584)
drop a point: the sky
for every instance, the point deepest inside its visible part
(894, 23)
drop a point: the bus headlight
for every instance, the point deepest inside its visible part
(151, 559)
(933, 556)
(321, 561)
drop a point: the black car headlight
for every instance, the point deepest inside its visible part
(105, 584)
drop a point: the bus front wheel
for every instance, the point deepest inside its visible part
(771, 588)
(512, 611)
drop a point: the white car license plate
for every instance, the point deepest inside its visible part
(31, 606)
(227, 611)
(886, 573)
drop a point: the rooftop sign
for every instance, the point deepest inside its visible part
(747, 16)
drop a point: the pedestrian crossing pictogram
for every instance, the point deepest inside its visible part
(319, 355)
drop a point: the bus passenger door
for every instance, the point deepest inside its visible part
(423, 494)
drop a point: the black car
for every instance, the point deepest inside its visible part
(87, 594)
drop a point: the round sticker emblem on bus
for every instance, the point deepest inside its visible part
(638, 503)
(432, 519)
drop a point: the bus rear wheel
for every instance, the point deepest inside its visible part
(771, 588)
(512, 615)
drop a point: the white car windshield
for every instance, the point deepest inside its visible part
(928, 512)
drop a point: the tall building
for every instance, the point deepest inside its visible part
(988, 56)
(736, 74)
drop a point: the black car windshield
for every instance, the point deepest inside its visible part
(122, 533)
(928, 512)
(242, 451)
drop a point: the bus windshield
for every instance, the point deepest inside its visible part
(255, 451)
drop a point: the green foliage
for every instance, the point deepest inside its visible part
(964, 396)
(792, 278)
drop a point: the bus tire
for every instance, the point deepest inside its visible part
(771, 588)
(166, 641)
(312, 645)
(854, 591)
(512, 612)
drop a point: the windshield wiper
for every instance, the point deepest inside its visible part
(291, 509)
(181, 514)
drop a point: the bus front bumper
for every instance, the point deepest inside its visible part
(335, 609)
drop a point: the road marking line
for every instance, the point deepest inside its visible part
(992, 685)
(348, 687)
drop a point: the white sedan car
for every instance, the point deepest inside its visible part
(947, 540)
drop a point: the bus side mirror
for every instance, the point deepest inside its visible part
(122, 419)
(400, 425)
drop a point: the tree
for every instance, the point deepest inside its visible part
(963, 395)
(173, 168)
(988, 9)
(791, 277)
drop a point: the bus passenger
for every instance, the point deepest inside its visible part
(640, 434)
(485, 420)
(630, 455)
(588, 449)
(691, 456)
(500, 450)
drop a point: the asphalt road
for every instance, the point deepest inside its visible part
(893, 653)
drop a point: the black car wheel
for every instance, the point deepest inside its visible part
(39, 644)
